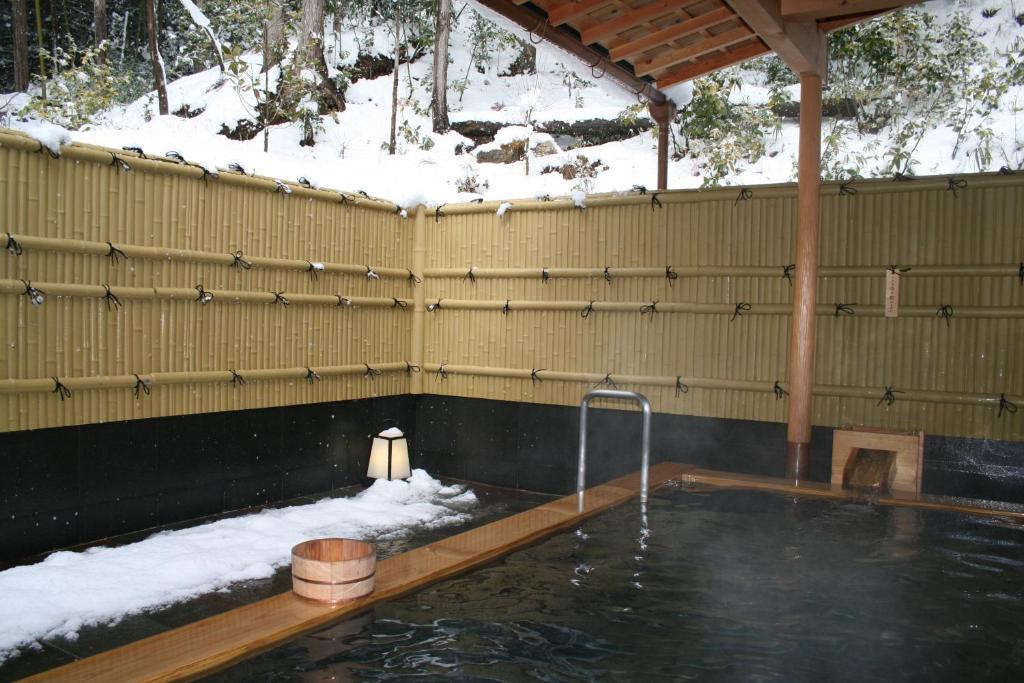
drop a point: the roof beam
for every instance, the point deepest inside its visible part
(533, 20)
(713, 63)
(804, 10)
(574, 9)
(698, 49)
(801, 45)
(629, 20)
(633, 48)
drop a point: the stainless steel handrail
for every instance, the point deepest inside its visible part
(645, 444)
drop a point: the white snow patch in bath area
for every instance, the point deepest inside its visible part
(70, 590)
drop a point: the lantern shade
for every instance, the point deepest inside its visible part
(390, 447)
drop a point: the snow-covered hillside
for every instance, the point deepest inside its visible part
(348, 153)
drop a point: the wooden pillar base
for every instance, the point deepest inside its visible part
(798, 461)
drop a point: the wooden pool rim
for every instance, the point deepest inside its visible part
(218, 642)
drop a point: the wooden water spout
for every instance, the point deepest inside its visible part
(871, 470)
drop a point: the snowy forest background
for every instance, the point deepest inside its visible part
(310, 88)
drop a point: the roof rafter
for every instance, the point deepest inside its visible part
(574, 9)
(684, 28)
(698, 49)
(803, 10)
(629, 20)
(801, 45)
(714, 63)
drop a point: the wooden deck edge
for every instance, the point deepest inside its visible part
(719, 479)
(217, 642)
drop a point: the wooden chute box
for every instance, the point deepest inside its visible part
(908, 447)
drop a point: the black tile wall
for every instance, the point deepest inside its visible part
(60, 487)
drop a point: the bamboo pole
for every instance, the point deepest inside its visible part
(184, 294)
(44, 384)
(70, 246)
(980, 270)
(801, 356)
(419, 260)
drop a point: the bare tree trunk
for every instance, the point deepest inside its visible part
(311, 48)
(39, 47)
(273, 36)
(99, 29)
(394, 85)
(159, 76)
(19, 35)
(441, 32)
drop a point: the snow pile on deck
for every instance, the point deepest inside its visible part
(70, 590)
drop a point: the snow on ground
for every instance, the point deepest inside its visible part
(70, 590)
(349, 153)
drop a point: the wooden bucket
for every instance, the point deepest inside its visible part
(333, 569)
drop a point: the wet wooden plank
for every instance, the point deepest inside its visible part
(216, 643)
(821, 490)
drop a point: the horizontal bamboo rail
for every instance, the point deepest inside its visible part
(996, 270)
(181, 293)
(44, 384)
(442, 370)
(107, 156)
(745, 308)
(69, 246)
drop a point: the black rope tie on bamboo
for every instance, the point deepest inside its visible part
(436, 306)
(607, 275)
(237, 168)
(901, 177)
(744, 194)
(1020, 273)
(438, 213)
(844, 309)
(15, 249)
(741, 308)
(312, 375)
(535, 375)
(203, 297)
(945, 311)
(441, 374)
(140, 386)
(279, 298)
(413, 278)
(1005, 405)
(846, 188)
(343, 300)
(787, 273)
(671, 275)
(60, 389)
(1005, 170)
(114, 254)
(650, 308)
(48, 151)
(344, 198)
(470, 275)
(402, 305)
(136, 150)
(681, 388)
(587, 310)
(545, 274)
(955, 184)
(370, 274)
(655, 202)
(314, 270)
(371, 372)
(607, 382)
(281, 187)
(35, 295)
(238, 261)
(410, 368)
(119, 163)
(236, 379)
(779, 392)
(113, 303)
(507, 307)
(896, 270)
(305, 182)
(173, 154)
(639, 189)
(889, 397)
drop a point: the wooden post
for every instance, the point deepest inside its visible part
(801, 347)
(662, 113)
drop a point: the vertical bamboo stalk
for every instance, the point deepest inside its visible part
(801, 345)
(419, 259)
